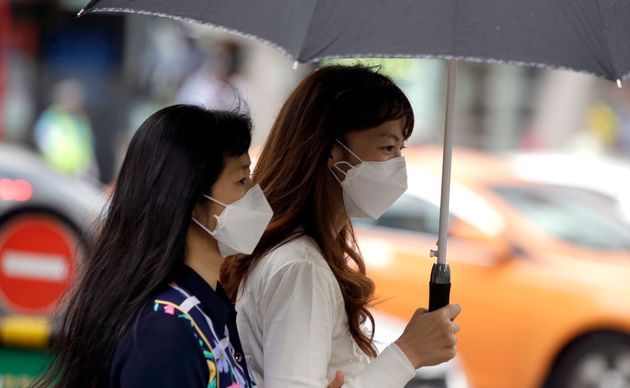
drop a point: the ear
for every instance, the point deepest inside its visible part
(337, 154)
(202, 213)
(199, 213)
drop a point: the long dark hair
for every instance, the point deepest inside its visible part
(173, 159)
(293, 172)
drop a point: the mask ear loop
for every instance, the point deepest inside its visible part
(215, 201)
(345, 174)
(349, 150)
(216, 217)
(202, 226)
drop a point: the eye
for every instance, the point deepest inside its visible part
(242, 181)
(390, 148)
(402, 147)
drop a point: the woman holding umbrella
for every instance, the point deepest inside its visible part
(334, 152)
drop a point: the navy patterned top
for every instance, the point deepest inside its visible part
(185, 337)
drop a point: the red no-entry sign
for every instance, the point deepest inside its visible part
(37, 260)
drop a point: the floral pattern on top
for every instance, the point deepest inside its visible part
(219, 353)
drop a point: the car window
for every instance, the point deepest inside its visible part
(408, 213)
(566, 214)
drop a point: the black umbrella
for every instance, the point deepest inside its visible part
(591, 36)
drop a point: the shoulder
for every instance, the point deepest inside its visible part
(299, 254)
(160, 327)
(301, 250)
(158, 339)
(295, 264)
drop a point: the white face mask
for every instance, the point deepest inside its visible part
(370, 188)
(241, 223)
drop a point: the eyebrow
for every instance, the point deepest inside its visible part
(238, 168)
(392, 136)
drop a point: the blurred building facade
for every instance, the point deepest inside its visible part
(130, 66)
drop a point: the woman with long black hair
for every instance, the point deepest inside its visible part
(147, 309)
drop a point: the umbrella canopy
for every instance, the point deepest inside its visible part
(590, 36)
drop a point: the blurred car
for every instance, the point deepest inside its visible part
(542, 273)
(446, 375)
(46, 221)
(604, 177)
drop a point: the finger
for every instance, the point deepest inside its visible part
(452, 352)
(455, 327)
(452, 310)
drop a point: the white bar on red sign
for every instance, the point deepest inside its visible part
(36, 266)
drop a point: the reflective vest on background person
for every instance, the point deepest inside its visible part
(65, 141)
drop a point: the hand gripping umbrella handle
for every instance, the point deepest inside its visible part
(439, 286)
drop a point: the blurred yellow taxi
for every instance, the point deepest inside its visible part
(542, 272)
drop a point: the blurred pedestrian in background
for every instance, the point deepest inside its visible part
(63, 133)
(218, 82)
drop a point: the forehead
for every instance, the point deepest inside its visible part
(235, 164)
(388, 130)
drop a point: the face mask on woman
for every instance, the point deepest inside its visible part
(241, 223)
(370, 188)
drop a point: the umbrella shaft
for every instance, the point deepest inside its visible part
(446, 162)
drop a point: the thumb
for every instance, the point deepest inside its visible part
(338, 381)
(420, 311)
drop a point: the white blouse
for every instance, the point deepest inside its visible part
(294, 329)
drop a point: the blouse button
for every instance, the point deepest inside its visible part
(238, 357)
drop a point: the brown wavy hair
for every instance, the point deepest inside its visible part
(293, 172)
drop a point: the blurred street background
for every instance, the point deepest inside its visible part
(73, 90)
(112, 71)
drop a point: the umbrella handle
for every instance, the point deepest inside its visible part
(439, 286)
